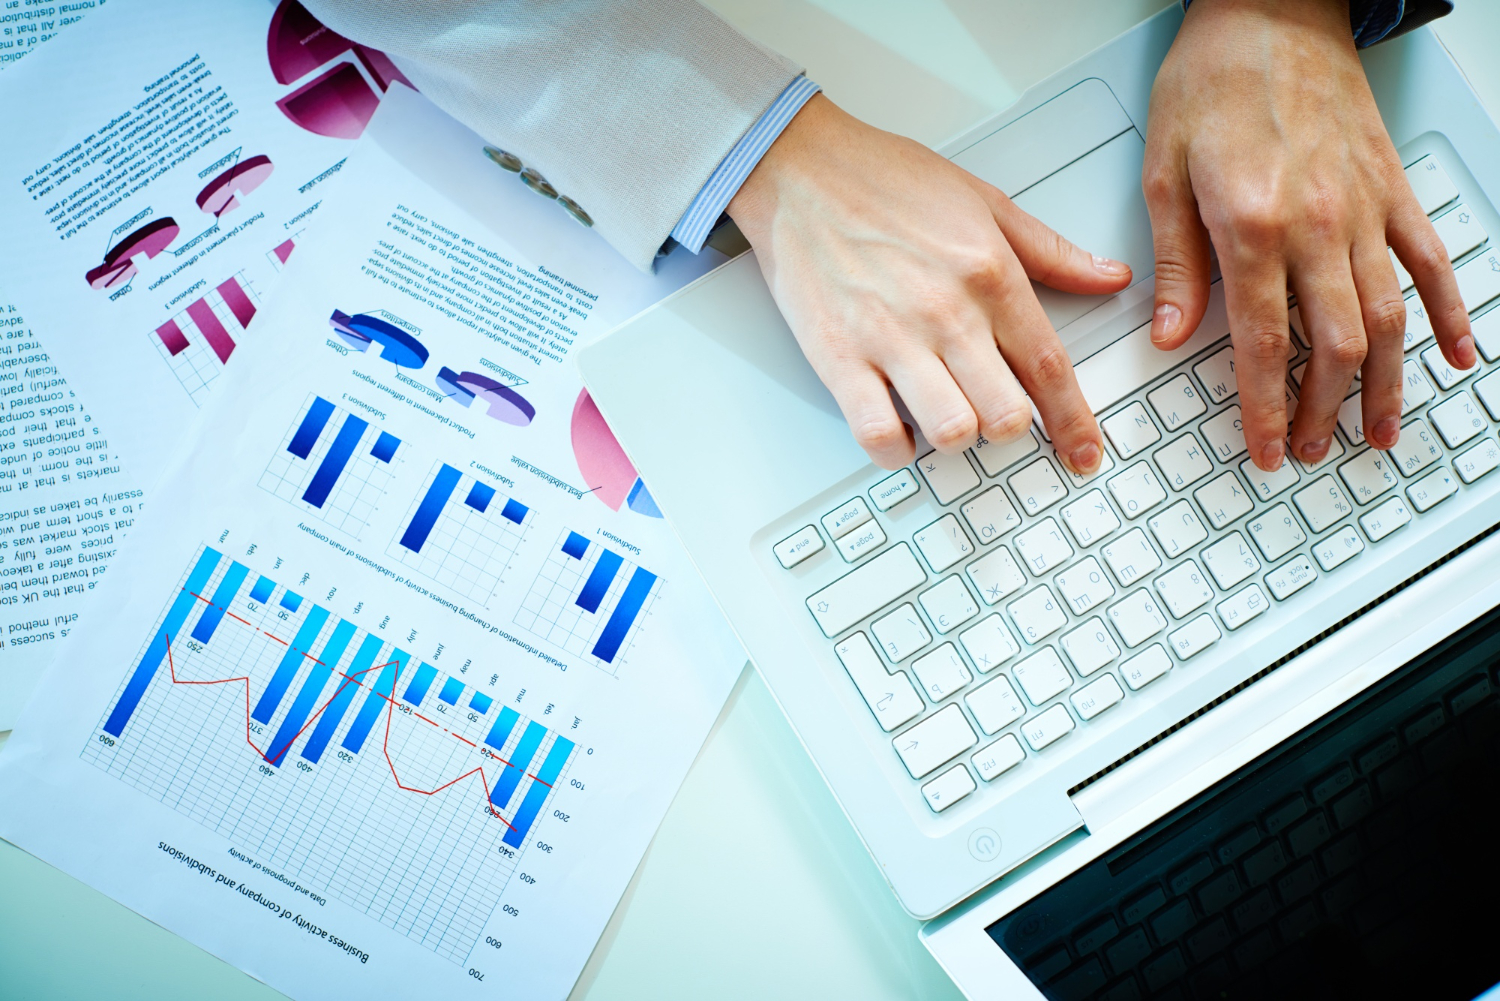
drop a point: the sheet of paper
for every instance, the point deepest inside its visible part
(62, 458)
(402, 668)
(160, 162)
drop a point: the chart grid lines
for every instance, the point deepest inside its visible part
(402, 829)
(333, 465)
(588, 600)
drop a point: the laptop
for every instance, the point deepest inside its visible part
(1181, 728)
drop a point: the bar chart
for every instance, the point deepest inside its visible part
(589, 600)
(355, 766)
(460, 533)
(333, 464)
(196, 343)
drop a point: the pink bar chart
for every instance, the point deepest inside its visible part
(198, 342)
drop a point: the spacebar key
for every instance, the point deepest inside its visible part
(867, 590)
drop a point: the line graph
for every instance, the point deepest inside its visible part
(423, 835)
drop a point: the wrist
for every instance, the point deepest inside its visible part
(791, 155)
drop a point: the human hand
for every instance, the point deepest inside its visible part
(895, 268)
(1264, 138)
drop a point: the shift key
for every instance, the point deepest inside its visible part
(867, 590)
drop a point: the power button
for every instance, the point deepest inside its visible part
(984, 844)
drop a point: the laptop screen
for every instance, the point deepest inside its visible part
(1356, 859)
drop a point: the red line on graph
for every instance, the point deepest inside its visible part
(385, 742)
(533, 777)
(236, 617)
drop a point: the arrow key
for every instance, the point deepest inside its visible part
(936, 740)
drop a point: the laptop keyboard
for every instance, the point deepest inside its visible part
(1038, 602)
(1348, 862)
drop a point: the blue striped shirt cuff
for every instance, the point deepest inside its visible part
(713, 198)
(1370, 20)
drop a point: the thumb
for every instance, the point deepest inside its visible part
(1050, 258)
(1181, 242)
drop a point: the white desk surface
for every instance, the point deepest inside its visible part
(755, 886)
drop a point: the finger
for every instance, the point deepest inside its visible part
(1330, 307)
(1416, 243)
(1255, 295)
(1181, 243)
(934, 399)
(865, 400)
(1033, 352)
(1384, 315)
(986, 381)
(1050, 258)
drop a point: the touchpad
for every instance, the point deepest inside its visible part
(1074, 163)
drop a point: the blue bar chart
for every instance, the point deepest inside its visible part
(460, 533)
(333, 464)
(589, 600)
(213, 726)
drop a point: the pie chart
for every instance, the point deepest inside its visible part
(218, 195)
(119, 264)
(396, 345)
(606, 469)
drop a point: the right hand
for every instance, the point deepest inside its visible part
(897, 269)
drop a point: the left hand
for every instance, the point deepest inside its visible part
(1264, 138)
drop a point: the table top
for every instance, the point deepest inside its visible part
(756, 886)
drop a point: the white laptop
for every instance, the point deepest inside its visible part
(1048, 704)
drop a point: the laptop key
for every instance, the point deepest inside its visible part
(1291, 577)
(1322, 504)
(942, 672)
(894, 489)
(936, 740)
(1240, 608)
(1432, 489)
(1037, 486)
(798, 546)
(890, 697)
(1431, 184)
(989, 643)
(1177, 402)
(1090, 518)
(1097, 696)
(1136, 617)
(1339, 548)
(1043, 547)
(1479, 280)
(1225, 434)
(948, 788)
(1090, 646)
(1195, 637)
(996, 576)
(1458, 419)
(949, 476)
(1460, 231)
(1130, 430)
(1385, 519)
(943, 543)
(1042, 675)
(990, 515)
(1223, 499)
(1145, 667)
(901, 633)
(994, 457)
(998, 758)
(949, 604)
(1477, 461)
(995, 705)
(1047, 728)
(865, 591)
(1276, 532)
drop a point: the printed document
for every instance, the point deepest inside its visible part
(161, 161)
(403, 666)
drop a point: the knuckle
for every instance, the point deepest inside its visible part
(1260, 221)
(878, 434)
(1348, 349)
(1159, 182)
(1009, 422)
(1386, 318)
(1050, 366)
(1428, 255)
(1267, 346)
(956, 431)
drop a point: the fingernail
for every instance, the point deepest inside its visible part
(1464, 349)
(1272, 455)
(1085, 458)
(1165, 322)
(1107, 266)
(1387, 430)
(1314, 451)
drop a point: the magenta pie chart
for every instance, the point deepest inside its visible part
(219, 195)
(119, 264)
(606, 469)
